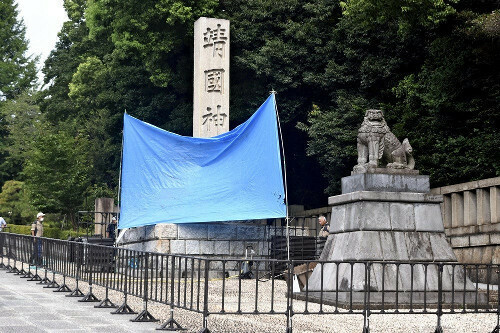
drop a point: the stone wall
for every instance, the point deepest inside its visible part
(221, 239)
(471, 217)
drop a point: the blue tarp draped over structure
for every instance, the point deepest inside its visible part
(168, 178)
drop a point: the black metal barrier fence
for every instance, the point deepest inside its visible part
(210, 286)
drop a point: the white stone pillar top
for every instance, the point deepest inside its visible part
(211, 77)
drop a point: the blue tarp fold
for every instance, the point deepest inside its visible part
(168, 178)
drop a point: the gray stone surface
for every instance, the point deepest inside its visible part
(337, 252)
(461, 241)
(441, 249)
(250, 232)
(193, 230)
(192, 247)
(178, 246)
(222, 231)
(428, 218)
(166, 231)
(160, 246)
(236, 248)
(338, 218)
(495, 239)
(375, 216)
(134, 235)
(384, 196)
(363, 245)
(385, 183)
(149, 232)
(419, 246)
(394, 246)
(479, 240)
(402, 216)
(207, 247)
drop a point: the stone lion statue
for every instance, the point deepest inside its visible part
(378, 147)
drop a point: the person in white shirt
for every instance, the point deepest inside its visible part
(3, 224)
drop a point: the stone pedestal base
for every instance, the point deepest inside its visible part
(399, 229)
(388, 300)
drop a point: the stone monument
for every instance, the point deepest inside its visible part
(211, 77)
(229, 239)
(385, 214)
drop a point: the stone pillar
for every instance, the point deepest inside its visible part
(457, 210)
(495, 204)
(483, 206)
(446, 209)
(103, 205)
(211, 77)
(470, 209)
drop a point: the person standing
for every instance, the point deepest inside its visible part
(325, 227)
(3, 224)
(37, 232)
(111, 229)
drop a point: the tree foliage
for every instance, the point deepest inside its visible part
(14, 203)
(17, 75)
(57, 171)
(17, 69)
(430, 65)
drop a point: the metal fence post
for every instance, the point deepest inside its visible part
(289, 300)
(439, 329)
(108, 260)
(10, 254)
(64, 288)
(50, 259)
(366, 311)
(2, 242)
(78, 258)
(171, 324)
(20, 254)
(205, 299)
(497, 328)
(90, 297)
(145, 315)
(125, 308)
(26, 252)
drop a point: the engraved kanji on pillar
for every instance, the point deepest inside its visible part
(211, 77)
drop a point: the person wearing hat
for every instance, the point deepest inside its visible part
(37, 226)
(37, 232)
(111, 229)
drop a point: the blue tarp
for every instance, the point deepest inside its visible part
(168, 178)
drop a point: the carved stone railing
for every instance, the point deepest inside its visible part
(471, 217)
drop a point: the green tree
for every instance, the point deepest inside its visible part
(21, 117)
(430, 66)
(57, 170)
(17, 74)
(14, 203)
(17, 70)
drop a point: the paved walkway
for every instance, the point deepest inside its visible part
(28, 307)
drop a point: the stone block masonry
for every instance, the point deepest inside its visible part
(471, 212)
(214, 239)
